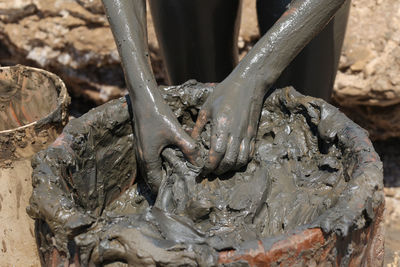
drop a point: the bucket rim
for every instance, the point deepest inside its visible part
(62, 98)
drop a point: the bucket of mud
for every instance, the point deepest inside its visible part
(311, 196)
(33, 111)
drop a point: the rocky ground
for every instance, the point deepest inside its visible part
(71, 38)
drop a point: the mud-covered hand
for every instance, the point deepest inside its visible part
(155, 125)
(233, 111)
(155, 129)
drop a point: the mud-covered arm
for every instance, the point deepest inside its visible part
(303, 20)
(155, 125)
(234, 106)
(128, 23)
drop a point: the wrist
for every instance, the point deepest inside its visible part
(145, 97)
(248, 88)
(149, 107)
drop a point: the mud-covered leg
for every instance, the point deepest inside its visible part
(198, 38)
(313, 71)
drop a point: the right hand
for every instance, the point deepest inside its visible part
(155, 129)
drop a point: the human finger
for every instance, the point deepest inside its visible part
(230, 157)
(189, 148)
(218, 143)
(244, 151)
(201, 121)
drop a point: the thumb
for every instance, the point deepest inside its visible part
(189, 148)
(153, 172)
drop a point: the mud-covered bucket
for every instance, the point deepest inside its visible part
(33, 111)
(311, 196)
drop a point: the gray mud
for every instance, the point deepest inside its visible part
(312, 167)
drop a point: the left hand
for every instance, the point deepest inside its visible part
(233, 109)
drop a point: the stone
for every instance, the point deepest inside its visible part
(371, 54)
(69, 38)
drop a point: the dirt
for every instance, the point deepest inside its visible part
(17, 229)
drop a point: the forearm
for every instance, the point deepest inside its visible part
(280, 45)
(128, 24)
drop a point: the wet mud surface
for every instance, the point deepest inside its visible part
(312, 167)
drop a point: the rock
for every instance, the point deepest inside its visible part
(367, 85)
(371, 55)
(70, 38)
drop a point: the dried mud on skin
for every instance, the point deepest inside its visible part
(312, 168)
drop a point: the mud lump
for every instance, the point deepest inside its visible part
(312, 167)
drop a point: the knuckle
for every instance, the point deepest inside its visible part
(220, 142)
(219, 147)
